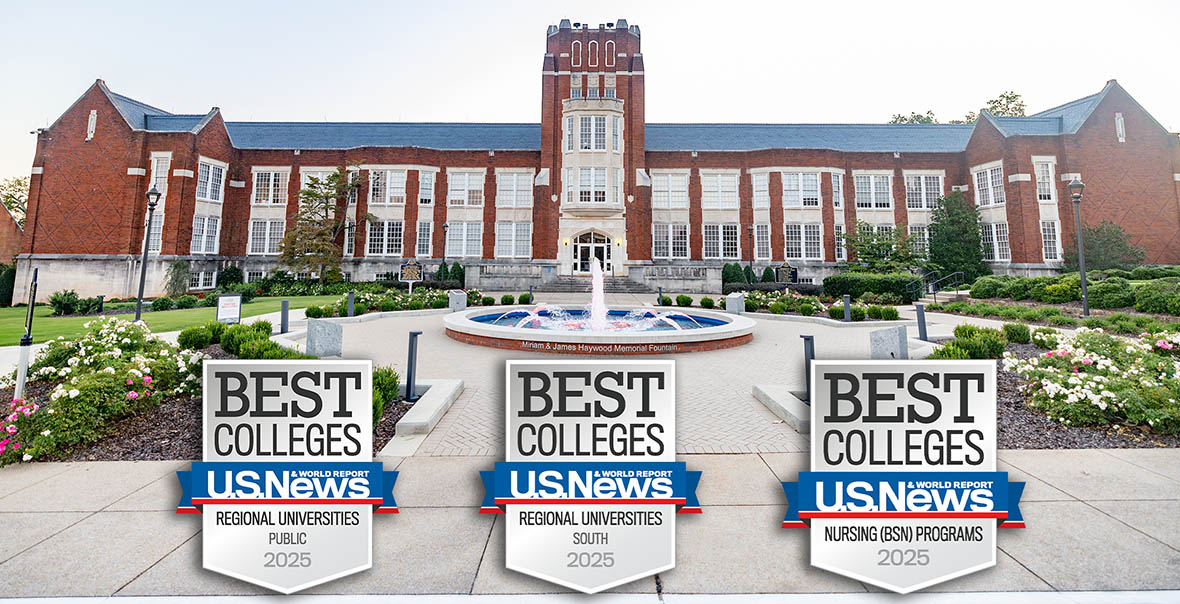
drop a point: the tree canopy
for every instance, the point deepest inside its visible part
(310, 245)
(1106, 245)
(1008, 104)
(954, 238)
(14, 194)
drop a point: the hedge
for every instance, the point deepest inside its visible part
(806, 289)
(855, 284)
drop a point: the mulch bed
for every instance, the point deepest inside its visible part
(173, 429)
(1019, 426)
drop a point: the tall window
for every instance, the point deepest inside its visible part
(1002, 251)
(794, 240)
(719, 190)
(987, 241)
(385, 238)
(873, 190)
(155, 232)
(205, 231)
(918, 240)
(761, 190)
(465, 239)
(720, 240)
(838, 241)
(514, 189)
(1045, 189)
(730, 246)
(616, 130)
(424, 228)
(1050, 246)
(465, 188)
(397, 187)
(762, 242)
(989, 186)
(616, 185)
(197, 246)
(266, 236)
(350, 238)
(586, 133)
(669, 190)
(514, 239)
(812, 241)
(922, 191)
(161, 163)
(569, 133)
(600, 133)
(270, 188)
(592, 185)
(425, 187)
(353, 177)
(837, 190)
(210, 181)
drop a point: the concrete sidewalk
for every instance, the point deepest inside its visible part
(1097, 520)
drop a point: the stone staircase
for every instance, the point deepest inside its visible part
(947, 296)
(611, 285)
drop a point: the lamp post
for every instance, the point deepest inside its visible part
(1075, 192)
(153, 198)
(750, 229)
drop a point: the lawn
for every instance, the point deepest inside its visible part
(45, 327)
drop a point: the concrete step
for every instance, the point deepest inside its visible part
(946, 297)
(616, 285)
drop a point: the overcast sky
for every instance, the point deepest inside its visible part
(435, 60)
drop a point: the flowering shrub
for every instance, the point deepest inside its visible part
(1095, 378)
(115, 369)
(784, 300)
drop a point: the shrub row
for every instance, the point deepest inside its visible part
(856, 284)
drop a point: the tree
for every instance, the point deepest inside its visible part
(954, 238)
(1106, 245)
(1008, 104)
(14, 194)
(176, 278)
(914, 118)
(880, 250)
(310, 244)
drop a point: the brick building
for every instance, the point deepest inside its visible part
(521, 204)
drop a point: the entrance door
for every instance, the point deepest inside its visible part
(588, 246)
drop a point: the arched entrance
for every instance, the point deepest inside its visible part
(590, 245)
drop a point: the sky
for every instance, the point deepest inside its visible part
(440, 60)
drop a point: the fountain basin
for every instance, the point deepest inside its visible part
(706, 330)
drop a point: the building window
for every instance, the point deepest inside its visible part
(514, 239)
(989, 186)
(761, 190)
(616, 128)
(1046, 191)
(205, 231)
(608, 93)
(385, 238)
(161, 163)
(210, 181)
(424, 241)
(873, 190)
(794, 240)
(266, 236)
(1002, 251)
(800, 190)
(387, 187)
(669, 190)
(838, 240)
(270, 188)
(155, 233)
(396, 187)
(670, 241)
(593, 92)
(617, 185)
(466, 188)
(660, 241)
(586, 133)
(721, 240)
(1049, 244)
(884, 229)
(425, 187)
(987, 242)
(599, 132)
(350, 238)
(812, 242)
(1120, 127)
(592, 185)
(465, 239)
(202, 280)
(575, 93)
(252, 276)
(719, 190)
(837, 190)
(922, 191)
(762, 242)
(918, 240)
(354, 177)
(514, 190)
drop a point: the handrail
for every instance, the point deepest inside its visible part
(920, 283)
(956, 278)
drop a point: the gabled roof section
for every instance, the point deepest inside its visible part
(135, 112)
(1062, 119)
(838, 137)
(1074, 113)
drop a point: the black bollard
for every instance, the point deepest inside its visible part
(100, 303)
(660, 300)
(808, 357)
(412, 367)
(351, 300)
(285, 307)
(921, 308)
(532, 300)
(847, 308)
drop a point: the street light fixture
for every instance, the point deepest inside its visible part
(1075, 192)
(153, 198)
(750, 228)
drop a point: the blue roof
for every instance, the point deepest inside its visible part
(172, 123)
(347, 135)
(1028, 125)
(839, 137)
(134, 111)
(1073, 113)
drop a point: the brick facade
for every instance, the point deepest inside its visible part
(87, 207)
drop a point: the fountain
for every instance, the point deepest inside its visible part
(598, 329)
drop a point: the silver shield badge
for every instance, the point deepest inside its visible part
(287, 485)
(903, 491)
(590, 486)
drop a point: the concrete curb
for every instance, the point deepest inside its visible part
(785, 404)
(287, 340)
(437, 398)
(829, 322)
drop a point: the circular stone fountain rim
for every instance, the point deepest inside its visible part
(735, 326)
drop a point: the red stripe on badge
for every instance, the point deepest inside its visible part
(373, 501)
(492, 510)
(1011, 525)
(791, 524)
(1000, 515)
(385, 511)
(679, 501)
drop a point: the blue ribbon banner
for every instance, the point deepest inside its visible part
(903, 495)
(284, 483)
(592, 483)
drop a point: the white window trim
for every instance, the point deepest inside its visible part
(872, 190)
(686, 173)
(1052, 161)
(941, 174)
(254, 184)
(250, 235)
(999, 163)
(429, 240)
(201, 159)
(1057, 236)
(722, 204)
(529, 185)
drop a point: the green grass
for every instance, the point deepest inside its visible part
(45, 327)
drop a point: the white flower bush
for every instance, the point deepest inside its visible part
(1094, 378)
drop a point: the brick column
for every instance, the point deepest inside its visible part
(777, 238)
(695, 217)
(410, 216)
(362, 208)
(440, 213)
(828, 216)
(746, 215)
